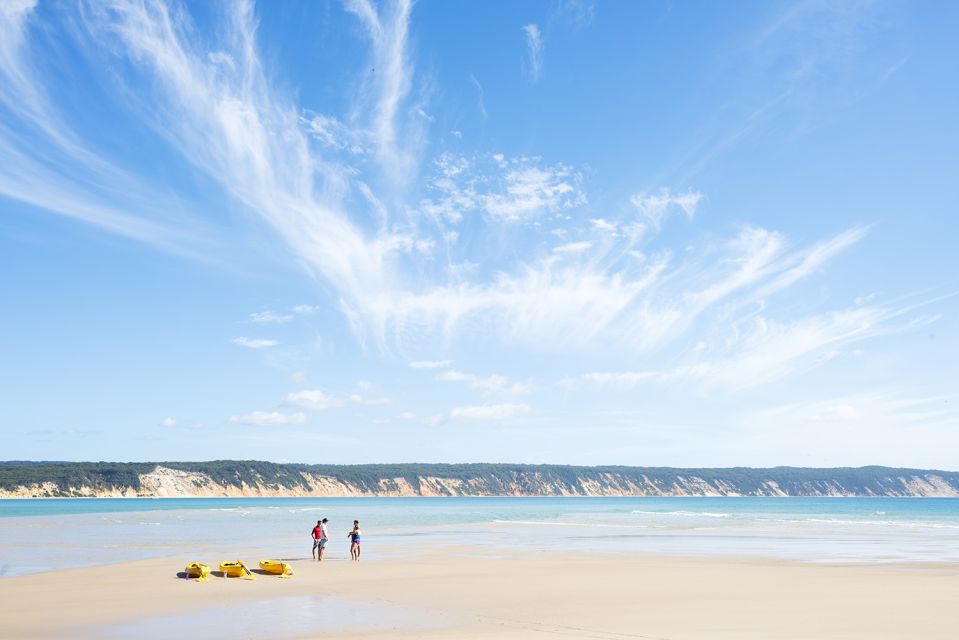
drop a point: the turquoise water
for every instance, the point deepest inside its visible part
(452, 510)
(41, 535)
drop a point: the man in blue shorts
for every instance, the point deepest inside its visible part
(319, 539)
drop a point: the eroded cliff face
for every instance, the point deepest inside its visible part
(164, 482)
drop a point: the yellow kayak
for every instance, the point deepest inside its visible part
(235, 570)
(198, 571)
(275, 567)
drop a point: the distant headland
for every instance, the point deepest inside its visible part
(249, 478)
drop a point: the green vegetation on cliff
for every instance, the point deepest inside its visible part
(72, 478)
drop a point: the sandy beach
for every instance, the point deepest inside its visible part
(462, 593)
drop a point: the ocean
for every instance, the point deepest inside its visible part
(49, 534)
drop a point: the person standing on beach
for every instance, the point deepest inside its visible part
(319, 539)
(354, 536)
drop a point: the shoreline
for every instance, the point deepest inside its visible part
(474, 592)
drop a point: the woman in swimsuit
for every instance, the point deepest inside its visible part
(355, 541)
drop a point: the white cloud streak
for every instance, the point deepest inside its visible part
(480, 98)
(760, 350)
(214, 105)
(573, 247)
(493, 384)
(391, 81)
(254, 343)
(313, 399)
(228, 122)
(655, 207)
(269, 419)
(273, 317)
(429, 364)
(44, 163)
(507, 190)
(269, 317)
(534, 51)
(485, 413)
(305, 309)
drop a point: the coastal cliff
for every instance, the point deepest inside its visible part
(224, 478)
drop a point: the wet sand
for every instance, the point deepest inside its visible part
(462, 593)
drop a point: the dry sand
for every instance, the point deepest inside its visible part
(459, 594)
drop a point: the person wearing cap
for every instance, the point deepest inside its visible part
(319, 539)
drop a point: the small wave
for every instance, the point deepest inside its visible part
(691, 514)
(909, 524)
(150, 523)
(592, 525)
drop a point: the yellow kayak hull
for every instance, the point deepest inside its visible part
(197, 570)
(276, 568)
(234, 570)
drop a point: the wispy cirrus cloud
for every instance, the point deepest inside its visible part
(813, 60)
(313, 399)
(573, 247)
(488, 412)
(399, 270)
(228, 122)
(429, 364)
(481, 413)
(656, 206)
(493, 384)
(279, 317)
(758, 350)
(579, 13)
(534, 50)
(504, 189)
(47, 164)
(480, 97)
(638, 305)
(270, 317)
(269, 419)
(332, 133)
(305, 309)
(389, 84)
(254, 343)
(565, 13)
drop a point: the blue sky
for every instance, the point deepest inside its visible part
(662, 233)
